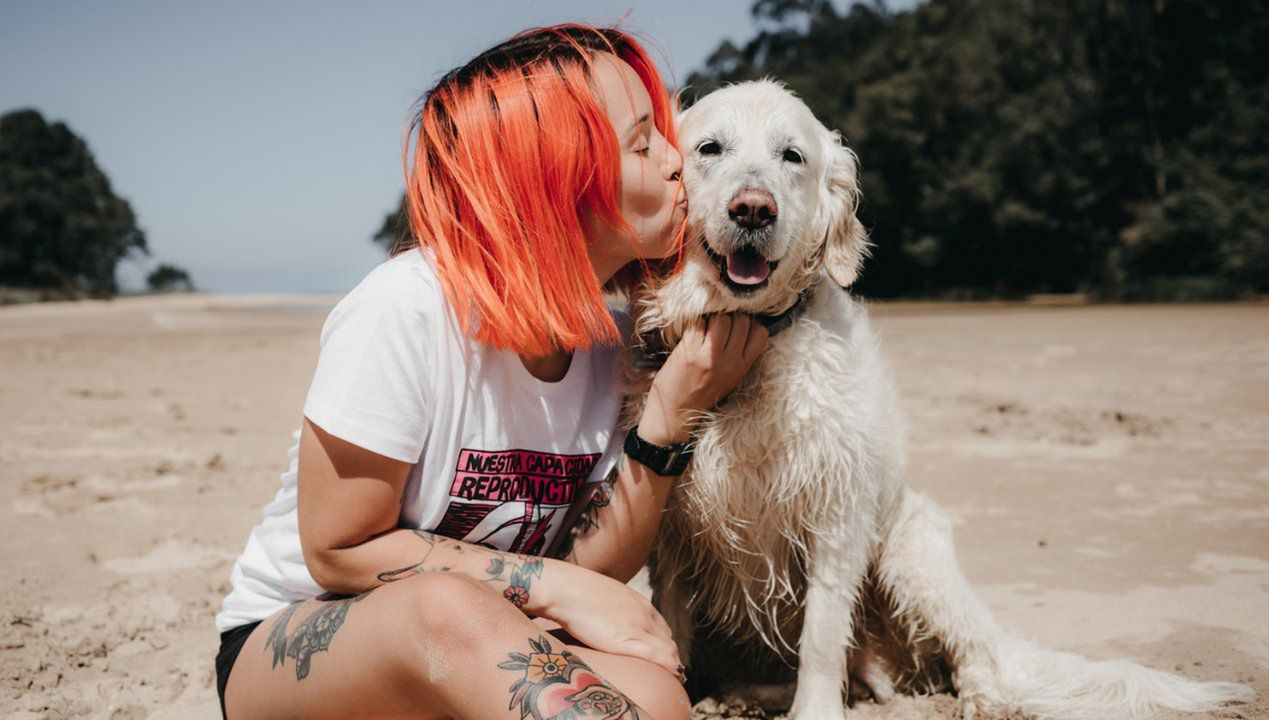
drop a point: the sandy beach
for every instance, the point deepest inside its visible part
(1107, 468)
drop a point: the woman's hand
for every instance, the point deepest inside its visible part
(710, 361)
(608, 616)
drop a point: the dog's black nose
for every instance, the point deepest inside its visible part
(752, 208)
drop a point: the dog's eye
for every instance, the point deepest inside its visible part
(709, 147)
(793, 156)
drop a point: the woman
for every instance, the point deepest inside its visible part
(464, 404)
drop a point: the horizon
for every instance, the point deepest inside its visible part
(206, 119)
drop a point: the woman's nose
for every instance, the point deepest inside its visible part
(674, 163)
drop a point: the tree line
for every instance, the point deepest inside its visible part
(63, 230)
(1117, 147)
(1010, 147)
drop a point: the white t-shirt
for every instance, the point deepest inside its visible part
(498, 454)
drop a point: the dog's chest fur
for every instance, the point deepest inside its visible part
(783, 459)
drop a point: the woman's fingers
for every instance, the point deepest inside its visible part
(663, 636)
(710, 361)
(755, 343)
(656, 653)
(659, 634)
(740, 330)
(694, 334)
(734, 355)
(663, 626)
(732, 336)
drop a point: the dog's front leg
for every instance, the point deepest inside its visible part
(835, 572)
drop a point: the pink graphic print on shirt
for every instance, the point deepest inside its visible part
(512, 499)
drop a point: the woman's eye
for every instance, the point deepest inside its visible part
(644, 150)
(709, 147)
(793, 156)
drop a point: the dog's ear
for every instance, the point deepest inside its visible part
(845, 240)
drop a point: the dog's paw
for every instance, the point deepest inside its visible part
(828, 709)
(817, 714)
(973, 708)
(967, 708)
(977, 697)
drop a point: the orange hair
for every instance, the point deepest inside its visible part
(509, 151)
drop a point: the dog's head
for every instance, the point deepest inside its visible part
(772, 198)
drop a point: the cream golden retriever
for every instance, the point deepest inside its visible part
(792, 541)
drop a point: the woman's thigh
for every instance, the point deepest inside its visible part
(346, 657)
(431, 646)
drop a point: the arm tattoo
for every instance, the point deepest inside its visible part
(516, 572)
(560, 686)
(588, 520)
(418, 567)
(313, 635)
(602, 496)
(519, 578)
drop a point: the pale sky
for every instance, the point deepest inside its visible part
(259, 143)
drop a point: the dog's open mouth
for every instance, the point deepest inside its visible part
(744, 270)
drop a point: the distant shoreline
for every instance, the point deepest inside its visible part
(292, 302)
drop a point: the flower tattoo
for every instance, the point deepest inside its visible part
(559, 686)
(517, 595)
(545, 665)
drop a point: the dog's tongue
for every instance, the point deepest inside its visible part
(747, 268)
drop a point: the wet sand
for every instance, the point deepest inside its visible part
(1107, 469)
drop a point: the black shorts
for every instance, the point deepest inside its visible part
(231, 642)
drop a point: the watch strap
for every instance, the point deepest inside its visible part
(666, 460)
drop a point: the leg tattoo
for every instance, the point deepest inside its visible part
(312, 636)
(559, 686)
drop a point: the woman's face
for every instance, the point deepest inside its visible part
(652, 201)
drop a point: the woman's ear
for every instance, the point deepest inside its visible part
(845, 240)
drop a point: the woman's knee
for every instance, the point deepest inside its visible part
(449, 611)
(665, 698)
(650, 686)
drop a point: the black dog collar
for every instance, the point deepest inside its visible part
(643, 358)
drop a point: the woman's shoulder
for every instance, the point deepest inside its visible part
(405, 284)
(408, 271)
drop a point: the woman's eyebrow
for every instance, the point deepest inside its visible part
(635, 125)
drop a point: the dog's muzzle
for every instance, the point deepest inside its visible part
(742, 264)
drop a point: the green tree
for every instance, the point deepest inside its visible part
(61, 225)
(395, 229)
(169, 278)
(1011, 146)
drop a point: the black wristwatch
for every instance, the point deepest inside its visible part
(666, 461)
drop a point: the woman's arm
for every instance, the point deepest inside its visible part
(616, 520)
(349, 501)
(627, 506)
